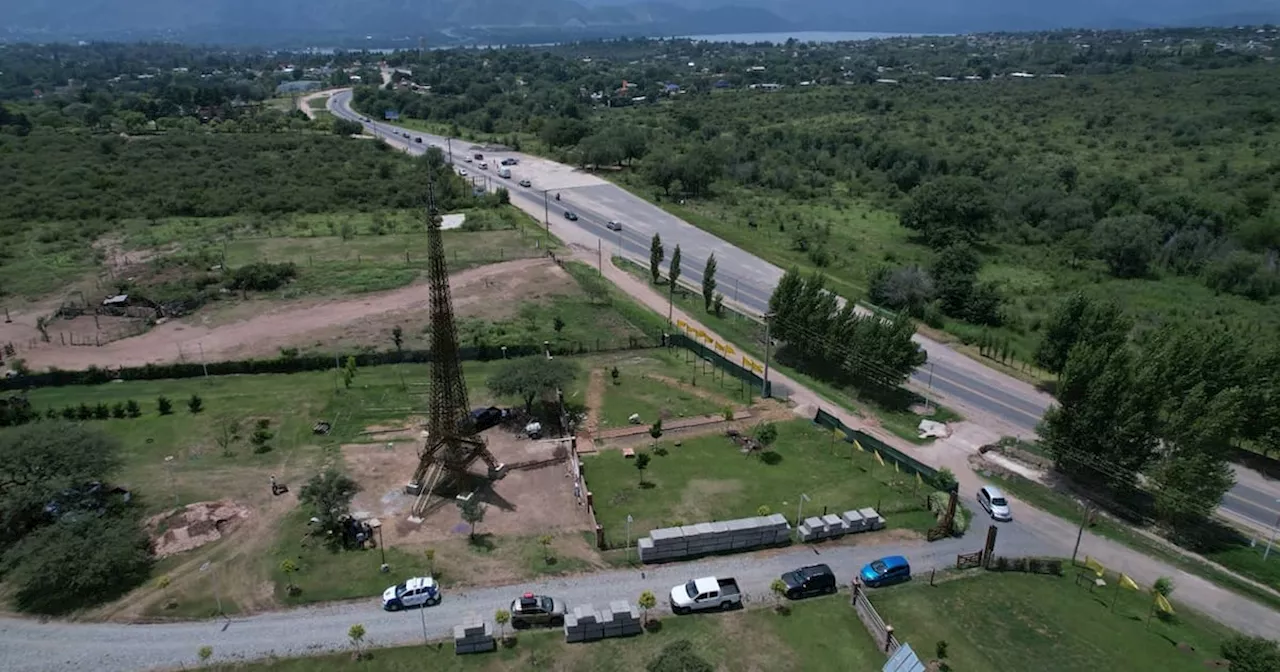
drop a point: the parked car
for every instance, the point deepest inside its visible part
(525, 183)
(809, 581)
(418, 140)
(479, 156)
(571, 215)
(613, 226)
(886, 571)
(467, 159)
(486, 418)
(705, 594)
(510, 161)
(993, 500)
(422, 591)
(531, 610)
(462, 173)
(504, 172)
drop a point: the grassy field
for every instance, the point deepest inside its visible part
(653, 394)
(1236, 556)
(1028, 622)
(746, 640)
(748, 334)
(707, 478)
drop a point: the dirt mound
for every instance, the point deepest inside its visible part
(194, 525)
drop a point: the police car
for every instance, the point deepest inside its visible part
(422, 591)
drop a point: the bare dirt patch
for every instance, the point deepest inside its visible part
(194, 525)
(523, 502)
(594, 401)
(262, 328)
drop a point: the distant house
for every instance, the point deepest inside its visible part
(721, 84)
(886, 81)
(671, 88)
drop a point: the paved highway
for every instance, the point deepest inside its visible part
(987, 396)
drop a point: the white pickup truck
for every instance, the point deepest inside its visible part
(705, 594)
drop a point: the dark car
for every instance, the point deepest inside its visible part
(571, 215)
(418, 140)
(510, 162)
(532, 610)
(886, 571)
(809, 581)
(486, 418)
(479, 156)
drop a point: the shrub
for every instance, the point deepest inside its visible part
(262, 276)
(944, 480)
(195, 404)
(132, 408)
(164, 406)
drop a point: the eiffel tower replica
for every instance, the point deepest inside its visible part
(452, 445)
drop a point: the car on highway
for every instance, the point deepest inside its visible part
(613, 225)
(418, 140)
(467, 159)
(809, 581)
(364, 119)
(510, 161)
(463, 172)
(484, 166)
(571, 215)
(530, 610)
(479, 156)
(420, 591)
(885, 571)
(525, 183)
(992, 499)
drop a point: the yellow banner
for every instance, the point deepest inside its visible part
(728, 349)
(859, 446)
(1094, 565)
(1126, 582)
(878, 458)
(682, 324)
(1163, 604)
(717, 347)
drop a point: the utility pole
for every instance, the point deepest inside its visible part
(1272, 541)
(768, 343)
(546, 211)
(449, 143)
(599, 256)
(1088, 511)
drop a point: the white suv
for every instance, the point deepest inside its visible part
(422, 591)
(993, 500)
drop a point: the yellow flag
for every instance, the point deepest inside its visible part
(896, 467)
(682, 324)
(919, 481)
(1094, 565)
(859, 446)
(878, 458)
(728, 349)
(1126, 582)
(1163, 604)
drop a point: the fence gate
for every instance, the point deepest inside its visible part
(904, 660)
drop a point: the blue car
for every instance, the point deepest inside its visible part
(885, 571)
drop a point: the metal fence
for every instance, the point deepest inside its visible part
(880, 631)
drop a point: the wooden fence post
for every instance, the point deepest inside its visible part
(888, 638)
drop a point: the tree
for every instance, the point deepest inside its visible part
(132, 408)
(195, 404)
(529, 377)
(118, 410)
(1127, 244)
(346, 127)
(101, 411)
(48, 572)
(655, 430)
(673, 271)
(949, 210)
(164, 406)
(40, 461)
(908, 288)
(502, 617)
(1164, 586)
(288, 566)
(709, 282)
(656, 255)
(557, 324)
(349, 371)
(329, 495)
(717, 305)
(1251, 654)
(545, 542)
(226, 435)
(679, 656)
(647, 601)
(261, 436)
(766, 434)
(472, 512)
(397, 337)
(955, 273)
(1075, 318)
(779, 588)
(204, 653)
(642, 463)
(356, 635)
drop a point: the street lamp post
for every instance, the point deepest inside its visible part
(629, 519)
(173, 482)
(217, 595)
(504, 352)
(377, 525)
(800, 508)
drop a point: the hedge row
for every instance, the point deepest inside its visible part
(297, 364)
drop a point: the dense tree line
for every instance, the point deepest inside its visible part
(830, 339)
(69, 540)
(1159, 414)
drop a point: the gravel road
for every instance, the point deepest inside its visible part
(30, 646)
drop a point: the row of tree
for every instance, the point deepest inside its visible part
(833, 339)
(1160, 414)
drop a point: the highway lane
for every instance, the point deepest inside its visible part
(748, 281)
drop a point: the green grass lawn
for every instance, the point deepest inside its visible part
(1237, 557)
(665, 397)
(819, 635)
(1027, 622)
(707, 478)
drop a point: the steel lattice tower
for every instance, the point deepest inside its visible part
(453, 445)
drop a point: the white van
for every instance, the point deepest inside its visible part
(504, 172)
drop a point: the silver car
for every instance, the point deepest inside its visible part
(993, 501)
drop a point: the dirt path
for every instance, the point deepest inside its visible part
(279, 325)
(594, 401)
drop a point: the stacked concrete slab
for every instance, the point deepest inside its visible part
(586, 624)
(832, 526)
(743, 534)
(474, 635)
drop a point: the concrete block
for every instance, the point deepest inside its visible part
(854, 520)
(574, 635)
(620, 607)
(778, 520)
(739, 524)
(834, 522)
(585, 614)
(704, 529)
(666, 534)
(689, 530)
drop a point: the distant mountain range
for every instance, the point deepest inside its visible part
(385, 23)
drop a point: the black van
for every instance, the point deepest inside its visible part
(809, 581)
